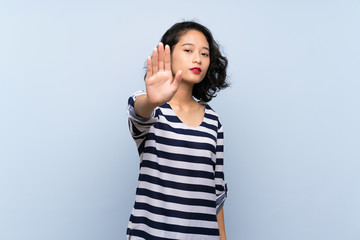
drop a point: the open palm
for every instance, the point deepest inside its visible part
(161, 85)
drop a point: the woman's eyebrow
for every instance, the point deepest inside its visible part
(191, 44)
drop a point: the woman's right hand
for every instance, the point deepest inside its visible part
(160, 83)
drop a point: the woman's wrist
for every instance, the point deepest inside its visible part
(143, 107)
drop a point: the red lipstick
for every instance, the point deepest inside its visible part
(196, 70)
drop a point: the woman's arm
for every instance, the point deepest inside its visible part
(220, 183)
(142, 107)
(221, 222)
(160, 83)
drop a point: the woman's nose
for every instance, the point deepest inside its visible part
(196, 57)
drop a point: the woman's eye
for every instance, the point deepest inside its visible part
(187, 50)
(205, 54)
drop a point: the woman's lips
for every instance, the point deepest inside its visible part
(196, 70)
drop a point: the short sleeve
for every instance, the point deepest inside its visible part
(138, 127)
(220, 183)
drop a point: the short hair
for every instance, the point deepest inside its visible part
(216, 77)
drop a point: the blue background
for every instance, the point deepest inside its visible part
(68, 166)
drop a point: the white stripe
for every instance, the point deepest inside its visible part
(220, 141)
(219, 168)
(180, 150)
(181, 125)
(212, 112)
(219, 154)
(171, 235)
(174, 206)
(176, 192)
(190, 138)
(128, 237)
(167, 111)
(177, 178)
(210, 121)
(176, 221)
(178, 164)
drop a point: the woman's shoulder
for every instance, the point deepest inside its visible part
(209, 109)
(210, 113)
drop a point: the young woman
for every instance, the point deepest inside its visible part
(181, 187)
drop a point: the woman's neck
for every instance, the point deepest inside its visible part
(183, 97)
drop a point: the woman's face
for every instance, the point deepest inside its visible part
(191, 55)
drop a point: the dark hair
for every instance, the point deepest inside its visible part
(215, 78)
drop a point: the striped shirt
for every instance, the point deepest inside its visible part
(181, 184)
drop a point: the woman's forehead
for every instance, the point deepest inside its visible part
(193, 37)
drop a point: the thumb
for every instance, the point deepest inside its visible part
(177, 80)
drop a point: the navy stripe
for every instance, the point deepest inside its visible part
(181, 143)
(175, 213)
(131, 101)
(219, 187)
(173, 119)
(179, 157)
(141, 147)
(165, 105)
(219, 174)
(220, 135)
(219, 161)
(176, 185)
(143, 234)
(211, 126)
(190, 132)
(135, 131)
(177, 171)
(207, 106)
(175, 228)
(219, 124)
(175, 199)
(210, 116)
(220, 148)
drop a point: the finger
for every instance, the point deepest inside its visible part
(148, 67)
(167, 59)
(161, 56)
(155, 61)
(176, 82)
